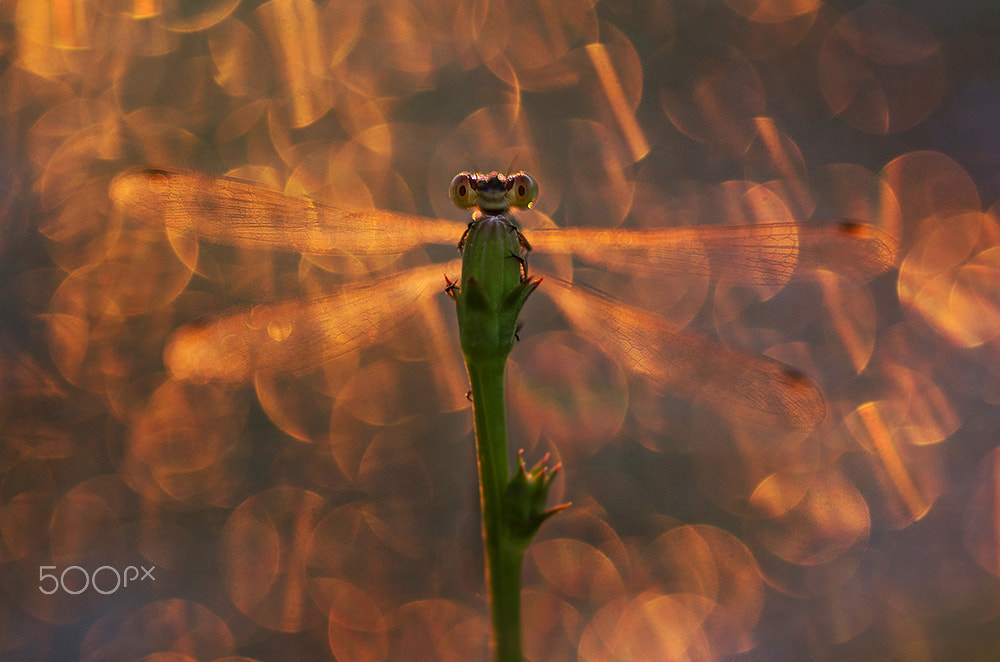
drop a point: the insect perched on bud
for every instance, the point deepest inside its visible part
(495, 282)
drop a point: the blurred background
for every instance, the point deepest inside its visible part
(332, 514)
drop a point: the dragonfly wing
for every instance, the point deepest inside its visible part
(295, 336)
(738, 383)
(762, 254)
(239, 213)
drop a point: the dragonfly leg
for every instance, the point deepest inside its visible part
(522, 239)
(524, 265)
(461, 242)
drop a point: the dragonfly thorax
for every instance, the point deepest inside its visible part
(493, 195)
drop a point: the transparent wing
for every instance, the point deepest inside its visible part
(764, 254)
(295, 336)
(238, 213)
(737, 383)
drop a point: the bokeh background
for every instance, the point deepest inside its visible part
(333, 514)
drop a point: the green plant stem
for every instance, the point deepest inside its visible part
(503, 559)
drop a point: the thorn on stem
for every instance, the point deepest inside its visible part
(452, 287)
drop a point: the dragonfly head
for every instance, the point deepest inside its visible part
(494, 193)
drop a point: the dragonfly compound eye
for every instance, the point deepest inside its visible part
(522, 190)
(463, 191)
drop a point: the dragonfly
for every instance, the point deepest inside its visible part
(297, 335)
